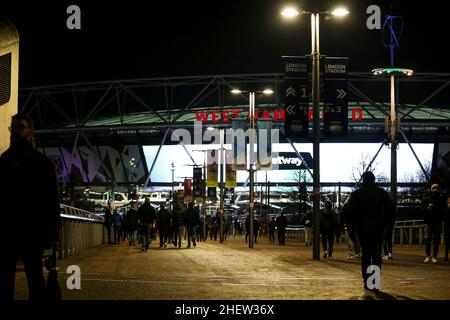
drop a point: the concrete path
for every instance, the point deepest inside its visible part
(232, 271)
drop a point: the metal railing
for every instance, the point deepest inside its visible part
(411, 232)
(80, 230)
(407, 232)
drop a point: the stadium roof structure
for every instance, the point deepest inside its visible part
(145, 111)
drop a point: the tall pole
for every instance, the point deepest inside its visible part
(204, 195)
(260, 201)
(267, 193)
(222, 162)
(173, 195)
(393, 146)
(315, 52)
(339, 197)
(251, 169)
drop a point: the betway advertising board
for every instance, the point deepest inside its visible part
(290, 161)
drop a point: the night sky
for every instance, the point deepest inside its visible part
(145, 39)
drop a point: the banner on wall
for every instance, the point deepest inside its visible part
(212, 193)
(213, 169)
(103, 164)
(187, 187)
(230, 175)
(197, 183)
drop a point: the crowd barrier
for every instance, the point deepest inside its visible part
(80, 230)
(405, 233)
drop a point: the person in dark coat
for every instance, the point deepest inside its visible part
(434, 207)
(281, 223)
(146, 215)
(191, 220)
(163, 225)
(177, 224)
(116, 220)
(256, 225)
(271, 229)
(107, 222)
(131, 222)
(34, 224)
(370, 210)
(328, 226)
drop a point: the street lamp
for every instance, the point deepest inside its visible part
(173, 191)
(252, 163)
(132, 168)
(392, 73)
(315, 53)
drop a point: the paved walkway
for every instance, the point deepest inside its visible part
(232, 271)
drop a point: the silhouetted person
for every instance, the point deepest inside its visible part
(177, 224)
(107, 222)
(34, 224)
(163, 225)
(146, 215)
(328, 226)
(131, 223)
(281, 223)
(191, 220)
(256, 229)
(434, 206)
(116, 220)
(369, 211)
(271, 228)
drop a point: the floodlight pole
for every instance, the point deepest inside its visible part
(222, 184)
(251, 167)
(204, 190)
(315, 53)
(393, 145)
(173, 190)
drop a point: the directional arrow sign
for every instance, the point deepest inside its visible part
(290, 92)
(295, 97)
(335, 118)
(290, 109)
(341, 94)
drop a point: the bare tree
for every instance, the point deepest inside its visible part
(300, 192)
(363, 165)
(414, 192)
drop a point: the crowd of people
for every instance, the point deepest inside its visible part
(142, 224)
(367, 221)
